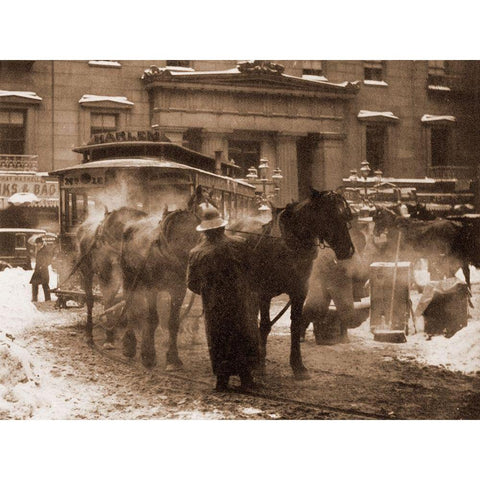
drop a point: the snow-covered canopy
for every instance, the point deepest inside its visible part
(370, 115)
(23, 198)
(438, 118)
(27, 95)
(103, 98)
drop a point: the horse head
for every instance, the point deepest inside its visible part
(324, 216)
(178, 231)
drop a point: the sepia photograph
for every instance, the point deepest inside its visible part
(189, 235)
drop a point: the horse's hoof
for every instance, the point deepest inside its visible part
(301, 374)
(108, 346)
(174, 367)
(90, 341)
(129, 346)
(149, 361)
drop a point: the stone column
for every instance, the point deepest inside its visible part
(334, 168)
(287, 161)
(214, 141)
(318, 165)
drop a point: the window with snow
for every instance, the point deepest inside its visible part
(376, 141)
(103, 123)
(312, 67)
(437, 73)
(374, 70)
(12, 132)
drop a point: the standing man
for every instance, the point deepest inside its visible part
(218, 271)
(41, 275)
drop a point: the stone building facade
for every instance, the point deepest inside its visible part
(315, 120)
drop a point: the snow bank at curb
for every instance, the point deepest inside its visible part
(20, 393)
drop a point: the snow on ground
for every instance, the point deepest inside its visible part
(30, 386)
(25, 385)
(459, 353)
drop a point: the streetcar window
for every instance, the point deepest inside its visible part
(21, 241)
(76, 208)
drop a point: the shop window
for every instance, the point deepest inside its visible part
(12, 132)
(374, 70)
(103, 123)
(440, 142)
(245, 154)
(376, 140)
(312, 67)
(437, 72)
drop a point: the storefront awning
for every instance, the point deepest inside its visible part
(92, 99)
(377, 116)
(438, 118)
(24, 95)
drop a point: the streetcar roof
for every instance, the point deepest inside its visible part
(22, 230)
(135, 163)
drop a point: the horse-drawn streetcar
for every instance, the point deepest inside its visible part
(147, 173)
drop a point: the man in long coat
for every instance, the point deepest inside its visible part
(218, 271)
(40, 275)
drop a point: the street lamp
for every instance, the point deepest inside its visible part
(260, 176)
(364, 172)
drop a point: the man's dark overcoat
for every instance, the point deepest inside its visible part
(40, 275)
(218, 271)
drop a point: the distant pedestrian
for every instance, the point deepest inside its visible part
(41, 275)
(218, 271)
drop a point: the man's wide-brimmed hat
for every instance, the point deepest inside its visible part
(211, 219)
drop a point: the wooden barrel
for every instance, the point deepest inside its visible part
(389, 300)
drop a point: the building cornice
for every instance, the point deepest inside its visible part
(251, 78)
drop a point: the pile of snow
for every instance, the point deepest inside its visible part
(16, 311)
(459, 353)
(20, 390)
(20, 394)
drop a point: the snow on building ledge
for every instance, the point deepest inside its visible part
(315, 78)
(440, 88)
(101, 100)
(23, 95)
(105, 63)
(367, 115)
(438, 118)
(378, 83)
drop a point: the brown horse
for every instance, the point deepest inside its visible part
(282, 264)
(154, 259)
(99, 246)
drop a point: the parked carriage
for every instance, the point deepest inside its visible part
(146, 172)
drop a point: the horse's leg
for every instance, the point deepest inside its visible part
(148, 354)
(176, 301)
(265, 329)
(109, 290)
(129, 341)
(296, 326)
(88, 287)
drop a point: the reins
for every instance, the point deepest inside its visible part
(278, 237)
